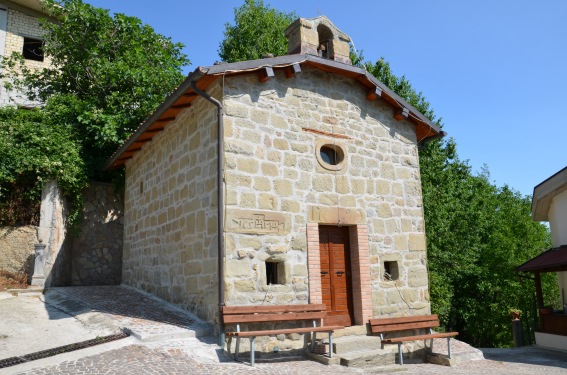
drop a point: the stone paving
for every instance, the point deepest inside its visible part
(143, 315)
(174, 359)
(201, 355)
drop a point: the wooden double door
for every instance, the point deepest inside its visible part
(336, 274)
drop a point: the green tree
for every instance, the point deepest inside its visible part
(35, 149)
(107, 74)
(257, 31)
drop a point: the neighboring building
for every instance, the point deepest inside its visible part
(549, 203)
(320, 196)
(20, 31)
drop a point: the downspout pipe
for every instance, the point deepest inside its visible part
(220, 203)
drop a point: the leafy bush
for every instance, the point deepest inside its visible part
(34, 150)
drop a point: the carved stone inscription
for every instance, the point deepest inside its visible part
(332, 215)
(256, 222)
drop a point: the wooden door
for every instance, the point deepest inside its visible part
(336, 274)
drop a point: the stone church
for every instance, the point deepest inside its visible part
(285, 180)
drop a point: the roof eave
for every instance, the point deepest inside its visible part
(360, 74)
(544, 193)
(176, 94)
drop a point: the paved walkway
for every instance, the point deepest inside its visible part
(169, 341)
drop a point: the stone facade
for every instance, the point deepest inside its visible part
(16, 249)
(279, 190)
(272, 131)
(170, 240)
(97, 251)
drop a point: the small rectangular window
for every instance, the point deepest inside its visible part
(272, 274)
(33, 49)
(391, 272)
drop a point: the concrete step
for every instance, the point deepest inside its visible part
(368, 358)
(347, 344)
(361, 330)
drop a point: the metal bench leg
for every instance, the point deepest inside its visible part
(252, 350)
(449, 346)
(331, 344)
(313, 339)
(237, 348)
(400, 353)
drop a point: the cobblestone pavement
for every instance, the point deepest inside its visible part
(142, 314)
(180, 357)
(153, 318)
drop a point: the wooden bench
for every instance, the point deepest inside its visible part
(277, 313)
(386, 325)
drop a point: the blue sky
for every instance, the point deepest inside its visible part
(494, 70)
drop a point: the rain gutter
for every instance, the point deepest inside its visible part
(220, 203)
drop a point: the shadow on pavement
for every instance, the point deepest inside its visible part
(528, 355)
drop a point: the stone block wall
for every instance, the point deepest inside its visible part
(97, 251)
(276, 182)
(16, 249)
(170, 243)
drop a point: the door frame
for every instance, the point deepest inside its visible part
(336, 315)
(360, 269)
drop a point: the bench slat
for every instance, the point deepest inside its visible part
(396, 340)
(404, 319)
(403, 326)
(282, 331)
(230, 310)
(258, 318)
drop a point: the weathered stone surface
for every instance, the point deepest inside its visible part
(257, 222)
(17, 249)
(417, 242)
(417, 277)
(238, 267)
(332, 215)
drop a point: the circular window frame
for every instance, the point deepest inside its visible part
(341, 150)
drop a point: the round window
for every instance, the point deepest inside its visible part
(330, 156)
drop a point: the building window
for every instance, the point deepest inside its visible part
(391, 272)
(273, 274)
(33, 49)
(330, 154)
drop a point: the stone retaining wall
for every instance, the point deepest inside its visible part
(97, 251)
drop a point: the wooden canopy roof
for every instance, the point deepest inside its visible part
(553, 260)
(184, 95)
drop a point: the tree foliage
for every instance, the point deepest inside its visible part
(258, 30)
(477, 233)
(106, 74)
(35, 149)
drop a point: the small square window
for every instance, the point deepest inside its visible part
(33, 49)
(273, 274)
(391, 272)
